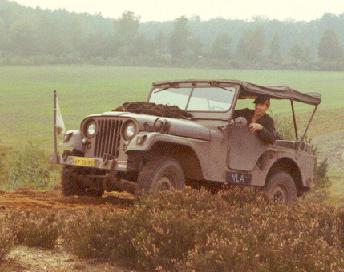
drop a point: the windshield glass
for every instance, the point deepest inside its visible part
(195, 99)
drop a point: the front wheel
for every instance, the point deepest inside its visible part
(281, 188)
(72, 183)
(159, 174)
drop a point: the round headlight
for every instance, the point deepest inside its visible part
(129, 130)
(91, 129)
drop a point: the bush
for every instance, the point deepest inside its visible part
(321, 174)
(35, 228)
(4, 154)
(38, 230)
(198, 231)
(30, 168)
(7, 237)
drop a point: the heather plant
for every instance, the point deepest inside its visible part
(34, 228)
(237, 229)
(7, 238)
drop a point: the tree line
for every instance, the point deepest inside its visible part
(35, 36)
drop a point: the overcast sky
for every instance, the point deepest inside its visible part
(160, 10)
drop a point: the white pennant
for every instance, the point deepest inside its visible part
(60, 125)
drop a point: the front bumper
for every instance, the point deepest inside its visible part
(96, 163)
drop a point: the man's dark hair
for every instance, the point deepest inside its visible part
(262, 99)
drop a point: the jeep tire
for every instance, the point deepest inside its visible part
(159, 174)
(72, 186)
(281, 188)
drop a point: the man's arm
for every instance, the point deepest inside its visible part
(268, 132)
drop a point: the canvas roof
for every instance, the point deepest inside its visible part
(251, 90)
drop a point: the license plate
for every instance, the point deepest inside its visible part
(238, 178)
(85, 162)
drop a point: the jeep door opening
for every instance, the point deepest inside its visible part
(185, 134)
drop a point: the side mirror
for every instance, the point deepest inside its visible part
(240, 122)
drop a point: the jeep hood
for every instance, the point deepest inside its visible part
(178, 127)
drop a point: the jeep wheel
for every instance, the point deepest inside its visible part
(281, 187)
(71, 184)
(161, 173)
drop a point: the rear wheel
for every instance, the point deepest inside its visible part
(159, 174)
(281, 188)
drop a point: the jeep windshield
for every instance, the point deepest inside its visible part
(213, 99)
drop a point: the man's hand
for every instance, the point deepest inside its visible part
(254, 127)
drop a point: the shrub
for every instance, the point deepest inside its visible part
(30, 168)
(4, 154)
(198, 231)
(35, 228)
(7, 237)
(321, 174)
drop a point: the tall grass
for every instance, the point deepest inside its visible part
(28, 167)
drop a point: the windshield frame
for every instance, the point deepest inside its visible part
(198, 86)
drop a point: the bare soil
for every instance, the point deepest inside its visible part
(29, 199)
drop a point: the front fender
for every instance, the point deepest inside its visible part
(73, 139)
(144, 141)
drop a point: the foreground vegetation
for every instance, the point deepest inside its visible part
(233, 230)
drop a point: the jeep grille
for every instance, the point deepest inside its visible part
(108, 137)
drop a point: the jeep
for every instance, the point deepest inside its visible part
(185, 134)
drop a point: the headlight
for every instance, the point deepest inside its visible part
(129, 130)
(91, 129)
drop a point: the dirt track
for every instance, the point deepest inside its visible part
(28, 199)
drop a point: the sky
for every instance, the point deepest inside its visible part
(162, 10)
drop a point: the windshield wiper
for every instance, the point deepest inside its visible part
(159, 90)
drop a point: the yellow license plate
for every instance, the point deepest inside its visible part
(86, 162)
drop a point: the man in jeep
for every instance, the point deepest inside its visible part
(259, 122)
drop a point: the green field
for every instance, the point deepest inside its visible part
(26, 98)
(26, 93)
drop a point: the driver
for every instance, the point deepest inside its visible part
(259, 122)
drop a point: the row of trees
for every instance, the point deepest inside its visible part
(35, 36)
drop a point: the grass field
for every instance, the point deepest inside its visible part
(26, 92)
(26, 98)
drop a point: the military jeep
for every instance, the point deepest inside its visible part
(185, 135)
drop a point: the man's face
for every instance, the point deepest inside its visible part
(261, 108)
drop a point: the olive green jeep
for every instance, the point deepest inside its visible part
(186, 135)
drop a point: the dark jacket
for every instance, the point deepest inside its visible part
(268, 133)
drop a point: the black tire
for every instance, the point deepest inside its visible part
(71, 185)
(161, 173)
(281, 187)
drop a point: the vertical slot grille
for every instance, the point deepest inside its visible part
(108, 137)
